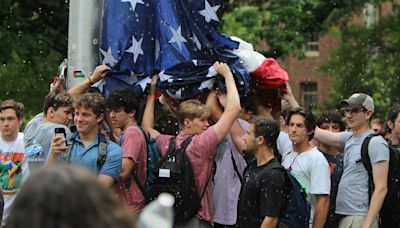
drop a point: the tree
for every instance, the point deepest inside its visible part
(287, 25)
(33, 35)
(367, 61)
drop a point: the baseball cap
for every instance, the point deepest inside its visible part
(359, 100)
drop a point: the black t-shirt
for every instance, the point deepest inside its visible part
(262, 194)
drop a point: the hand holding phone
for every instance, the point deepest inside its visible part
(59, 132)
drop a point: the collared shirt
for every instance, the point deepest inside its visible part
(87, 157)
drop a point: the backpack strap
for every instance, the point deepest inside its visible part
(184, 145)
(367, 162)
(101, 158)
(236, 168)
(146, 136)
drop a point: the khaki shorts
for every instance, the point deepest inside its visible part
(353, 221)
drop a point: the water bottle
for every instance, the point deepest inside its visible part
(158, 213)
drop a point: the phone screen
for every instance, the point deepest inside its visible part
(60, 132)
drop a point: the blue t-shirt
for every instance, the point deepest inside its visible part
(87, 157)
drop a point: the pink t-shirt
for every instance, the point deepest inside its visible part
(200, 152)
(133, 147)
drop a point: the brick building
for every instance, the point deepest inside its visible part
(311, 88)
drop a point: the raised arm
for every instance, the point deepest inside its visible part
(148, 114)
(232, 108)
(289, 98)
(99, 73)
(236, 130)
(327, 137)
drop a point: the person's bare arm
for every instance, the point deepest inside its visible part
(236, 130)
(380, 174)
(148, 114)
(327, 137)
(99, 73)
(232, 108)
(126, 169)
(321, 211)
(289, 97)
(269, 222)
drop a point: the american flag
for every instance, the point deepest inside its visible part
(176, 38)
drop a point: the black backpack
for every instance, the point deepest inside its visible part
(174, 174)
(296, 213)
(389, 214)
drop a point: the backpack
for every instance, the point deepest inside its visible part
(101, 158)
(389, 214)
(298, 208)
(153, 157)
(174, 175)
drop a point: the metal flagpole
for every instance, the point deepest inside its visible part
(85, 18)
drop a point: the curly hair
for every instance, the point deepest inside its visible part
(123, 98)
(93, 101)
(331, 117)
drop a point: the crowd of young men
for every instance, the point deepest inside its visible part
(324, 158)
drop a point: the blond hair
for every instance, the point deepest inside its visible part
(191, 109)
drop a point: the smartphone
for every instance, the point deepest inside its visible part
(59, 131)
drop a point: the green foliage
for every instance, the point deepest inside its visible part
(243, 22)
(367, 61)
(287, 25)
(33, 35)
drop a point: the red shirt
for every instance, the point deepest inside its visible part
(133, 147)
(200, 152)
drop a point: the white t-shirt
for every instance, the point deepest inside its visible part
(12, 154)
(311, 170)
(284, 143)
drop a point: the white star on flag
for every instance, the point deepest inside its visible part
(132, 79)
(164, 77)
(136, 48)
(177, 37)
(211, 72)
(210, 12)
(100, 84)
(196, 41)
(133, 3)
(207, 84)
(177, 95)
(143, 83)
(108, 58)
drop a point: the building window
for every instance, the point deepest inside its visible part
(312, 46)
(309, 94)
(371, 14)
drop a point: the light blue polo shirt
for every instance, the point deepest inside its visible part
(87, 157)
